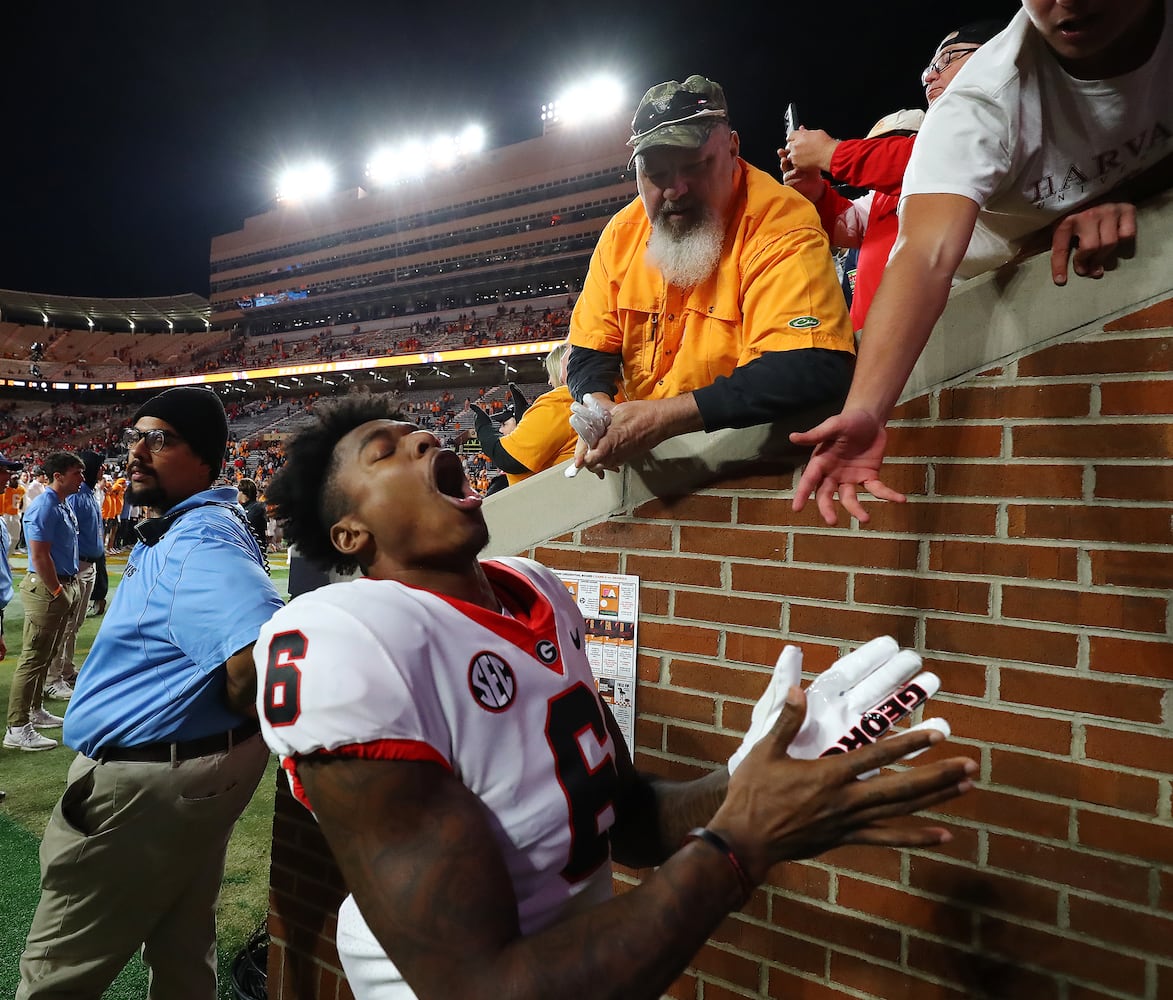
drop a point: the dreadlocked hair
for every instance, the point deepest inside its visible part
(304, 492)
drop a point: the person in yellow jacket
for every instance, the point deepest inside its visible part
(542, 437)
(111, 508)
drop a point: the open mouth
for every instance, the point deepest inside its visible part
(1076, 27)
(449, 479)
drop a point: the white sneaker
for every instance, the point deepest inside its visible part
(27, 738)
(41, 719)
(59, 691)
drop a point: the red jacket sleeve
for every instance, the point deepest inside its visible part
(877, 164)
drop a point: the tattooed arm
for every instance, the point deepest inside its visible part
(417, 850)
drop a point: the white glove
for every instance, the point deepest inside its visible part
(852, 703)
(589, 420)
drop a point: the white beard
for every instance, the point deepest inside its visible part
(686, 259)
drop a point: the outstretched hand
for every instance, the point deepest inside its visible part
(848, 452)
(778, 808)
(1094, 238)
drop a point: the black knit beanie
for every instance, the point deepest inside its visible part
(197, 416)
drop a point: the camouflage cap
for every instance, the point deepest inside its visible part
(677, 114)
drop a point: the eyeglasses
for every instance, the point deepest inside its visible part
(156, 439)
(946, 59)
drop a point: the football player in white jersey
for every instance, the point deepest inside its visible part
(440, 718)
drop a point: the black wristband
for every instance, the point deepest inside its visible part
(716, 840)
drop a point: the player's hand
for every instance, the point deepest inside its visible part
(809, 149)
(478, 412)
(852, 703)
(1094, 238)
(848, 452)
(778, 808)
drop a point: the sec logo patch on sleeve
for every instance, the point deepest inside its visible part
(491, 681)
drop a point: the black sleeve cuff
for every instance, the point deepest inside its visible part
(592, 371)
(777, 383)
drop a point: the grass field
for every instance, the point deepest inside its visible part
(34, 782)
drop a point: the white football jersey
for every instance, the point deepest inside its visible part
(506, 702)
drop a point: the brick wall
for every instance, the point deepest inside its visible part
(1033, 564)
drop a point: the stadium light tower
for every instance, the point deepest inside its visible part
(305, 182)
(593, 100)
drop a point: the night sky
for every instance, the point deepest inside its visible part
(135, 132)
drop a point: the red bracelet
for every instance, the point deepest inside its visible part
(716, 840)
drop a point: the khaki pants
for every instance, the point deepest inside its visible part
(63, 668)
(45, 620)
(132, 857)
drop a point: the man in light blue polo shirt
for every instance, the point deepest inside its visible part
(49, 593)
(164, 722)
(88, 513)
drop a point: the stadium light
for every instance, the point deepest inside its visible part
(592, 100)
(305, 182)
(410, 159)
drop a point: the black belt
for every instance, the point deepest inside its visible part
(205, 746)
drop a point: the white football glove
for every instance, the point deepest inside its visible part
(589, 420)
(852, 703)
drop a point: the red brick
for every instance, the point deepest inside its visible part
(1062, 954)
(697, 744)
(1097, 522)
(934, 593)
(853, 626)
(896, 906)
(828, 925)
(653, 600)
(855, 549)
(677, 705)
(1005, 480)
(886, 865)
(985, 889)
(1083, 607)
(718, 679)
(741, 543)
(1004, 559)
(723, 610)
(695, 507)
(1011, 812)
(1015, 729)
(627, 535)
(1139, 838)
(1005, 402)
(784, 985)
(798, 878)
(648, 735)
(789, 581)
(684, 988)
(1106, 356)
(958, 440)
(1092, 440)
(1114, 700)
(1071, 780)
(721, 964)
(994, 641)
(758, 938)
(1129, 748)
(980, 973)
(774, 512)
(1154, 317)
(958, 678)
(578, 558)
(678, 638)
(1134, 482)
(764, 650)
(926, 517)
(907, 476)
(676, 569)
(917, 408)
(1122, 925)
(1062, 864)
(1139, 569)
(885, 981)
(1153, 396)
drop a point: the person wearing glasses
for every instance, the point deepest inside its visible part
(875, 163)
(48, 592)
(164, 722)
(711, 300)
(1059, 125)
